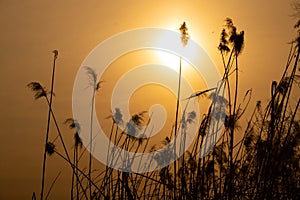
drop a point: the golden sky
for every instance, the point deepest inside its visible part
(31, 29)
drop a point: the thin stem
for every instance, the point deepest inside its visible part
(176, 121)
(48, 193)
(48, 127)
(234, 112)
(91, 144)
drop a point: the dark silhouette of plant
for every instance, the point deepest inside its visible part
(184, 40)
(41, 92)
(73, 124)
(231, 42)
(50, 148)
(184, 34)
(95, 84)
(262, 162)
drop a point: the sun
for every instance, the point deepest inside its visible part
(168, 59)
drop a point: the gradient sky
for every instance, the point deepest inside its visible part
(31, 29)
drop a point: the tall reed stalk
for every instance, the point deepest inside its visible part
(55, 52)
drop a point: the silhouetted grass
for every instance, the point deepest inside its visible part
(263, 163)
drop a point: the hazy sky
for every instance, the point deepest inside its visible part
(31, 29)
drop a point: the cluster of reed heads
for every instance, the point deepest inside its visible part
(258, 161)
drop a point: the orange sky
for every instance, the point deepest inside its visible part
(31, 29)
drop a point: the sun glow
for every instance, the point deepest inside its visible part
(169, 59)
(176, 49)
